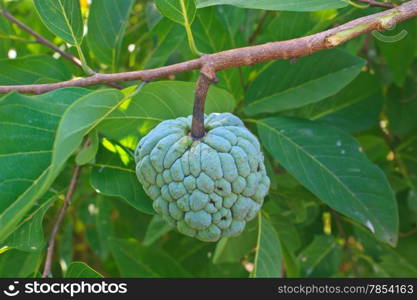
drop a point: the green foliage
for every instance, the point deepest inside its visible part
(338, 130)
(294, 5)
(62, 17)
(107, 23)
(32, 69)
(301, 84)
(180, 11)
(81, 270)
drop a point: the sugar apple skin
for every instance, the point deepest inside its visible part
(207, 188)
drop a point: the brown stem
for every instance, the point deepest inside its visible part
(207, 77)
(246, 56)
(409, 233)
(58, 220)
(42, 40)
(378, 4)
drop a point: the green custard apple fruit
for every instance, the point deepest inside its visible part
(205, 188)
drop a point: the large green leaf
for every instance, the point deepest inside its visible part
(107, 23)
(5, 31)
(15, 263)
(268, 254)
(80, 117)
(62, 17)
(81, 270)
(231, 250)
(398, 49)
(402, 108)
(180, 11)
(32, 69)
(156, 229)
(96, 216)
(321, 258)
(114, 175)
(170, 37)
(29, 234)
(362, 88)
(330, 163)
(135, 260)
(66, 246)
(27, 131)
(284, 85)
(400, 261)
(290, 5)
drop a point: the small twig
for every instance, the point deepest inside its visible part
(58, 220)
(42, 40)
(378, 4)
(207, 77)
(409, 233)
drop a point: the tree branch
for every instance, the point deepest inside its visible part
(246, 56)
(58, 220)
(378, 4)
(42, 40)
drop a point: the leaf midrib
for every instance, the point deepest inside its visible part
(301, 149)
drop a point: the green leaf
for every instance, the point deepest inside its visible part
(29, 235)
(80, 117)
(399, 53)
(290, 25)
(81, 270)
(363, 88)
(288, 235)
(66, 246)
(156, 229)
(359, 116)
(136, 260)
(321, 258)
(293, 5)
(27, 131)
(180, 11)
(268, 255)
(88, 152)
(62, 17)
(96, 216)
(285, 86)
(107, 23)
(5, 31)
(389, 262)
(17, 264)
(330, 163)
(170, 37)
(402, 108)
(114, 175)
(231, 250)
(159, 101)
(31, 69)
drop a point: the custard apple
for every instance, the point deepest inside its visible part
(206, 188)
